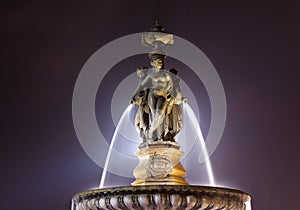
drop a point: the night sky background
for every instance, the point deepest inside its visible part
(253, 45)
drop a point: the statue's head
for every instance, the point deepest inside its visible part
(141, 72)
(173, 71)
(157, 60)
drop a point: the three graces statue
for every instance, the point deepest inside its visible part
(158, 97)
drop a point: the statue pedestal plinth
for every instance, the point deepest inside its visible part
(159, 164)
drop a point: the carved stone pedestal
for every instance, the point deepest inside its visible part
(159, 164)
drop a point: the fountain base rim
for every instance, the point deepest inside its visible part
(186, 196)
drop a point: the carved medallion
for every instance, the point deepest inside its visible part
(159, 166)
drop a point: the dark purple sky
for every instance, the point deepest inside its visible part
(254, 47)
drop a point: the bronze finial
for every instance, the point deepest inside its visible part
(157, 27)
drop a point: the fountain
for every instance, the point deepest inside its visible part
(159, 176)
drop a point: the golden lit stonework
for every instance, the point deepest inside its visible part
(159, 164)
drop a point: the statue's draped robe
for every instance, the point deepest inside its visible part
(168, 123)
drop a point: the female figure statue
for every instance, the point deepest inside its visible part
(156, 97)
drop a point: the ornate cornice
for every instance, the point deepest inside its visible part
(161, 197)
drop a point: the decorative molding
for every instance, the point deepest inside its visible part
(161, 197)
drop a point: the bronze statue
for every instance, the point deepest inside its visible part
(158, 97)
